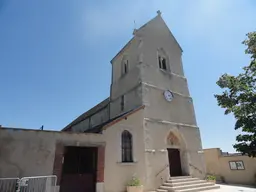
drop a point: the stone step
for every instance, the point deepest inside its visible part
(181, 180)
(171, 188)
(184, 183)
(204, 184)
(180, 177)
(162, 190)
(196, 189)
(168, 188)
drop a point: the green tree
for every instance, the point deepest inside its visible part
(239, 98)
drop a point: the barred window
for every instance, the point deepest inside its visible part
(127, 146)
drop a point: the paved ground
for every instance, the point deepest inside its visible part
(233, 188)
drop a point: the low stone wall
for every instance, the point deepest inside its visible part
(220, 164)
(25, 152)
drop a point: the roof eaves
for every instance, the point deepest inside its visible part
(122, 117)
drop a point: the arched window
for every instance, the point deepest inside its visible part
(163, 61)
(127, 146)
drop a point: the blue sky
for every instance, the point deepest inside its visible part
(55, 56)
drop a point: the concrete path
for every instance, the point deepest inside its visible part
(233, 188)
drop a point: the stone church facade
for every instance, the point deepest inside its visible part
(148, 121)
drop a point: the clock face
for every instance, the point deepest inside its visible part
(168, 95)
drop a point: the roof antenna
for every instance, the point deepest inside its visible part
(134, 29)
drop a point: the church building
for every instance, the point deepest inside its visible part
(146, 129)
(148, 121)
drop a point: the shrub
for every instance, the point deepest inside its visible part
(211, 177)
(134, 182)
(222, 179)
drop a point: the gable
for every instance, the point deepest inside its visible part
(157, 28)
(158, 20)
(130, 53)
(127, 45)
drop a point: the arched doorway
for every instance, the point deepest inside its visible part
(176, 154)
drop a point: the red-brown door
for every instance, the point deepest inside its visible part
(174, 162)
(79, 170)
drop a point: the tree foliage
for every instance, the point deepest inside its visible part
(239, 98)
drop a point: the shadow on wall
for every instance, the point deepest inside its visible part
(6, 149)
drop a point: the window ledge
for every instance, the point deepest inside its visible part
(171, 73)
(165, 70)
(128, 163)
(123, 75)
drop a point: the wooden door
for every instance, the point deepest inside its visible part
(79, 170)
(174, 162)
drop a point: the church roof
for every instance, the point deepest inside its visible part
(88, 113)
(155, 19)
(114, 120)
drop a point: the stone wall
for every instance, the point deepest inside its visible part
(219, 164)
(25, 153)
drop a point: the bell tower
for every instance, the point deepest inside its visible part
(169, 107)
(149, 71)
(165, 88)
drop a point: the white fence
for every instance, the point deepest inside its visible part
(9, 184)
(29, 184)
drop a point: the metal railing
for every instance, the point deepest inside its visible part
(196, 168)
(29, 184)
(162, 169)
(8, 184)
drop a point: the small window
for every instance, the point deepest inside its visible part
(122, 102)
(162, 63)
(159, 62)
(127, 147)
(125, 67)
(236, 165)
